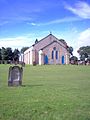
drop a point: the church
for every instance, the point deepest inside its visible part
(49, 50)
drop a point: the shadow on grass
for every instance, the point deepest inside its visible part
(38, 85)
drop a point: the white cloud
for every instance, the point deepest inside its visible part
(82, 40)
(3, 23)
(66, 19)
(56, 21)
(33, 24)
(82, 9)
(16, 42)
(22, 41)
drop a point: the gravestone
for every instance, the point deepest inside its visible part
(15, 76)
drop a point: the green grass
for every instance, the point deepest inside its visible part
(48, 93)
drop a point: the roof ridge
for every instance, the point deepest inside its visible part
(45, 37)
(53, 42)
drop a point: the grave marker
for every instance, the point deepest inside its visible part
(15, 76)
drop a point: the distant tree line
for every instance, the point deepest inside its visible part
(8, 55)
(84, 53)
(72, 59)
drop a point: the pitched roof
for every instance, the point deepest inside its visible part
(43, 39)
(50, 38)
(52, 43)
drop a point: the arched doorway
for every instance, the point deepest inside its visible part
(62, 59)
(45, 59)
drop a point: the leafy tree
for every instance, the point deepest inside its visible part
(3, 53)
(63, 41)
(86, 55)
(88, 59)
(9, 53)
(70, 49)
(82, 57)
(6, 53)
(16, 55)
(24, 49)
(0, 55)
(73, 60)
(84, 52)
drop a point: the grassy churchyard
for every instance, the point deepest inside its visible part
(50, 92)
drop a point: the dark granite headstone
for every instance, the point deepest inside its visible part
(15, 76)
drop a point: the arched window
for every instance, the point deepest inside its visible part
(56, 54)
(52, 54)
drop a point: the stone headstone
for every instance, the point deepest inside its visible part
(15, 76)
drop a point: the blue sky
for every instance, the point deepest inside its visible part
(22, 21)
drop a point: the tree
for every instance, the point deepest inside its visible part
(63, 41)
(88, 59)
(84, 52)
(0, 54)
(16, 54)
(70, 49)
(6, 53)
(24, 49)
(9, 53)
(3, 54)
(73, 60)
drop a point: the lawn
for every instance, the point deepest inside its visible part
(50, 92)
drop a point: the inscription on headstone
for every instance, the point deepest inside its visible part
(15, 76)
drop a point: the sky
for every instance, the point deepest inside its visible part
(22, 21)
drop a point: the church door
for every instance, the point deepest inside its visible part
(62, 59)
(45, 59)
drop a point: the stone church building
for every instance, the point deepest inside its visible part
(49, 50)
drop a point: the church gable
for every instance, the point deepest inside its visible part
(55, 42)
(46, 41)
(53, 53)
